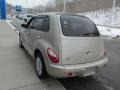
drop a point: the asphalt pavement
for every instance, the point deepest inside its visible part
(107, 79)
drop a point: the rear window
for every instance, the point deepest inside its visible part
(78, 26)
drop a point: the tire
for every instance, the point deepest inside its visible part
(20, 42)
(40, 67)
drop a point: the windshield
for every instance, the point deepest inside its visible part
(78, 26)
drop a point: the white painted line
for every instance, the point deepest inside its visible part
(105, 84)
(108, 87)
(8, 20)
(10, 25)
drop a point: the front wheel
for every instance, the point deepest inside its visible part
(40, 67)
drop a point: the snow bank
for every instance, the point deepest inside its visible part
(109, 32)
(106, 17)
(105, 21)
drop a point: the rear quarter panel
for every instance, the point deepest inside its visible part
(49, 40)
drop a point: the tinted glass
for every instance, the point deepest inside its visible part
(78, 26)
(31, 22)
(42, 23)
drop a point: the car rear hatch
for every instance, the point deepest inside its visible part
(80, 40)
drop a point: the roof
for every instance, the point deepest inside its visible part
(58, 13)
(62, 13)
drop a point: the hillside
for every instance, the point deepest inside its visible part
(105, 17)
(89, 5)
(79, 5)
(72, 6)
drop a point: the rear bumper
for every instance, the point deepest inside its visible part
(87, 69)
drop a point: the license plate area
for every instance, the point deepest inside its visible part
(87, 71)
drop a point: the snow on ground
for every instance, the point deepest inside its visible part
(109, 31)
(107, 21)
(106, 17)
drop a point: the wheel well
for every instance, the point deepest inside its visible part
(37, 51)
(19, 33)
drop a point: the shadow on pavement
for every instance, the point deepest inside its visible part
(86, 83)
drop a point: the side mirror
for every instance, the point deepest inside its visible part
(24, 25)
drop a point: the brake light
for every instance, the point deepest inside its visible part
(52, 56)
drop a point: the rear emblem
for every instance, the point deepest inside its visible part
(88, 52)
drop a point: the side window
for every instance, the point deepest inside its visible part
(38, 24)
(42, 23)
(46, 23)
(31, 22)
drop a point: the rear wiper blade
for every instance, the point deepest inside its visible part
(90, 34)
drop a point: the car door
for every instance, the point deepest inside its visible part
(27, 34)
(40, 27)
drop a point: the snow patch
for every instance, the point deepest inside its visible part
(108, 31)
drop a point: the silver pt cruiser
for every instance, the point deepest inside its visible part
(63, 45)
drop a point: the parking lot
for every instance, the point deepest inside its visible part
(17, 68)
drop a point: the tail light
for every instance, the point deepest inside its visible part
(52, 56)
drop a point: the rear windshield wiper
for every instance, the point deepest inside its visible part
(91, 34)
